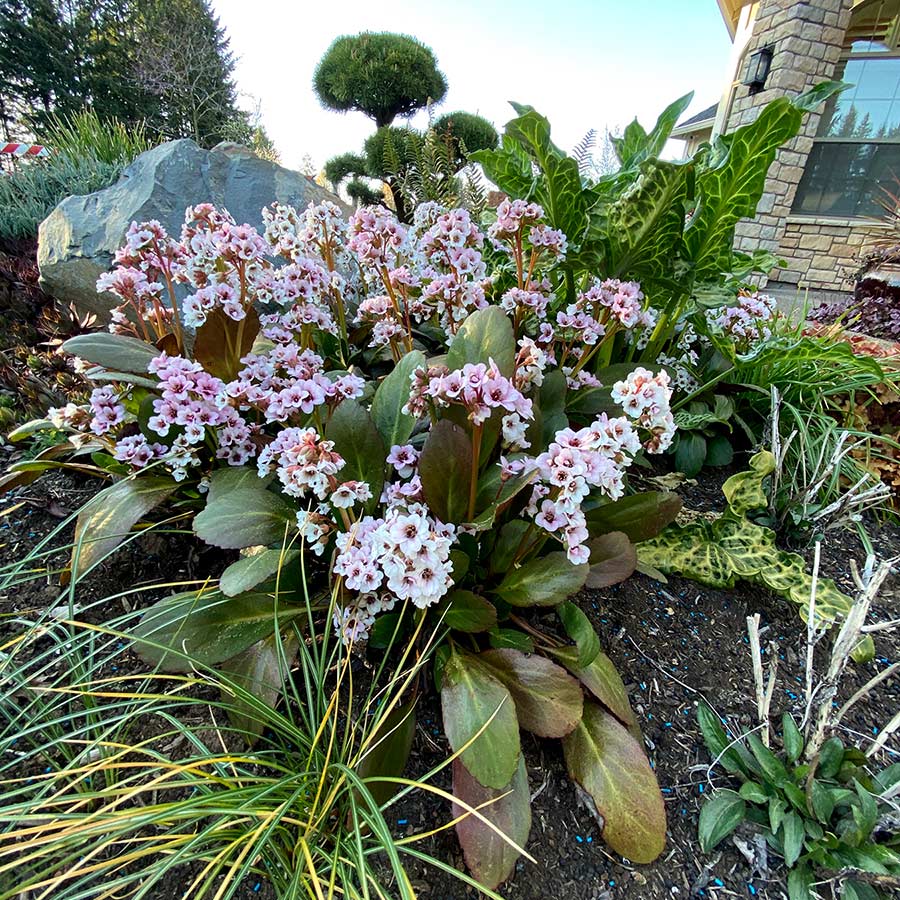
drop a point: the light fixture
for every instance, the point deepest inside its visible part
(758, 69)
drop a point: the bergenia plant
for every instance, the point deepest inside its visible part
(408, 423)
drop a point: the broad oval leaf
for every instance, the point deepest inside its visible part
(107, 518)
(640, 516)
(216, 338)
(249, 571)
(116, 352)
(544, 581)
(485, 335)
(445, 467)
(613, 559)
(472, 700)
(579, 629)
(549, 702)
(206, 628)
(241, 512)
(490, 858)
(611, 767)
(720, 815)
(357, 440)
(392, 423)
(468, 612)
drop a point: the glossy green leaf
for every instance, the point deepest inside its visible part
(793, 739)
(719, 451)
(613, 559)
(753, 792)
(485, 335)
(249, 571)
(471, 700)
(108, 517)
(640, 516)
(545, 581)
(690, 453)
(719, 817)
(490, 858)
(831, 756)
(206, 627)
(800, 884)
(445, 467)
(240, 512)
(357, 440)
(792, 836)
(468, 612)
(548, 700)
(635, 145)
(578, 627)
(392, 394)
(610, 765)
(717, 742)
(510, 639)
(117, 352)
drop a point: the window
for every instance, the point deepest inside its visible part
(854, 165)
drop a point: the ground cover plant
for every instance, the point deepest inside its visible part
(432, 425)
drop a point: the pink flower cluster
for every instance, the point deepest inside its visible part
(137, 451)
(478, 387)
(376, 237)
(513, 216)
(106, 409)
(304, 462)
(748, 321)
(293, 235)
(645, 398)
(285, 382)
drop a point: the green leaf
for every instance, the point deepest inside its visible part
(640, 516)
(249, 571)
(468, 612)
(609, 764)
(206, 627)
(644, 225)
(510, 639)
(865, 811)
(636, 145)
(29, 428)
(831, 756)
(690, 453)
(485, 335)
(753, 792)
(720, 815)
(815, 96)
(260, 670)
(792, 835)
(800, 883)
(389, 750)
(744, 491)
(793, 739)
(857, 890)
(445, 467)
(732, 182)
(509, 167)
(490, 858)
(602, 679)
(509, 539)
(822, 801)
(719, 451)
(357, 440)
(579, 629)
(545, 581)
(864, 651)
(240, 512)
(613, 559)
(548, 700)
(117, 352)
(772, 766)
(472, 700)
(717, 741)
(392, 423)
(108, 517)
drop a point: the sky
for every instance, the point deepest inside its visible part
(582, 63)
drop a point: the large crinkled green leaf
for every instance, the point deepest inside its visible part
(485, 335)
(509, 167)
(490, 858)
(392, 394)
(635, 145)
(724, 550)
(610, 765)
(644, 224)
(548, 700)
(474, 703)
(106, 519)
(241, 512)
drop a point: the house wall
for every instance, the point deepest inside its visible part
(806, 37)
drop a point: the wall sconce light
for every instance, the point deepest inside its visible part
(758, 67)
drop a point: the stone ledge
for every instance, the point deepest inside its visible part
(857, 222)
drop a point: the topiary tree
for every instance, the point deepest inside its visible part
(362, 193)
(345, 165)
(380, 74)
(468, 131)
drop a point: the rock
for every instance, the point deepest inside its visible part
(78, 240)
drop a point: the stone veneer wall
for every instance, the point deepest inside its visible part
(806, 37)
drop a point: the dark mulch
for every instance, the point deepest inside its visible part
(675, 645)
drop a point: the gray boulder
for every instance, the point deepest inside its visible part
(78, 240)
